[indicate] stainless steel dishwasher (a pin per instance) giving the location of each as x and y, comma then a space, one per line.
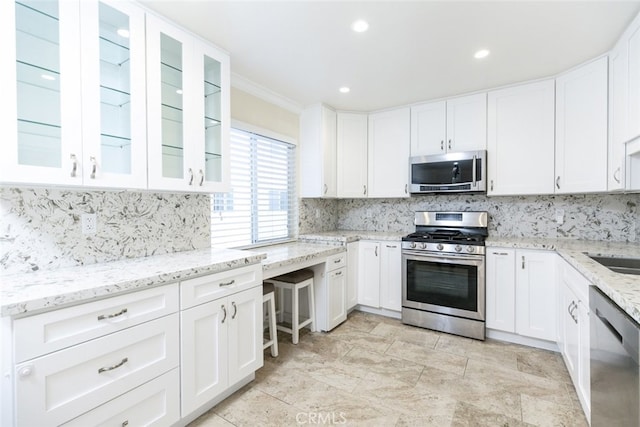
615, 390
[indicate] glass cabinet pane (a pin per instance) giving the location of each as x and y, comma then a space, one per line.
38, 83
171, 99
115, 90
212, 120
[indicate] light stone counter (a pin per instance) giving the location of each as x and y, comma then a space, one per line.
29, 292
623, 289
287, 257
348, 236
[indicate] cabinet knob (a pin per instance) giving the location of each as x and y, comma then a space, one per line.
25, 371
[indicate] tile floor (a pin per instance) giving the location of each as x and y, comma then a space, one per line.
375, 371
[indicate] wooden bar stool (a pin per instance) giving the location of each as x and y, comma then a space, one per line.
295, 281
269, 297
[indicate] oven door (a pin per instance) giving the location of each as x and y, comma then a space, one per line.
444, 283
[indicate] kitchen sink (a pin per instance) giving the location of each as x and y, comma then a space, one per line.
619, 265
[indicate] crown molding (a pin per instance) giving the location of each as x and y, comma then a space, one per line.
246, 85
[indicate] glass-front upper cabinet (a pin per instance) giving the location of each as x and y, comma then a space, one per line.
188, 111
41, 121
114, 104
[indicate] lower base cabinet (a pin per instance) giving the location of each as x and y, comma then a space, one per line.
380, 274
221, 344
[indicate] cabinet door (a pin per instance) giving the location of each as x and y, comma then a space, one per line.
389, 153
581, 129
42, 140
209, 126
571, 345
245, 334
520, 144
337, 297
631, 39
352, 274
536, 294
428, 129
318, 152
369, 273
618, 98
467, 123
352, 155
584, 357
501, 289
113, 94
203, 346
391, 276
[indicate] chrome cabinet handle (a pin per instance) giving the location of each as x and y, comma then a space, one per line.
224, 311
473, 171
190, 176
93, 167
201, 177
571, 309
116, 366
228, 283
442, 145
325, 189
406, 188
523, 262
558, 182
339, 273
616, 175
235, 310
449, 145
391, 246
500, 253
74, 165
111, 316
364, 193
376, 251
491, 185
337, 261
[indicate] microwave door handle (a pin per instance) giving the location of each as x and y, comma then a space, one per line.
473, 171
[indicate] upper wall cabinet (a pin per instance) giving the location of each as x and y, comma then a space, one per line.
581, 129
318, 152
618, 115
458, 124
42, 93
388, 153
188, 111
520, 139
631, 43
352, 155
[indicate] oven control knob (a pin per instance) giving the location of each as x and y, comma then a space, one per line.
440, 247
471, 249
423, 246
458, 248
413, 245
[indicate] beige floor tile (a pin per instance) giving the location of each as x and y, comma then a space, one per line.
428, 421
365, 361
472, 416
426, 357
210, 419
544, 413
489, 351
361, 321
543, 363
407, 333
253, 407
356, 337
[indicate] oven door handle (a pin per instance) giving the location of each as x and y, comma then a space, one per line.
452, 259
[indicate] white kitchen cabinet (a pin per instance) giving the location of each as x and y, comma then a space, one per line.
521, 292
221, 342
630, 41
380, 275
388, 153
351, 155
457, 124
60, 386
188, 110
521, 139
618, 115
331, 292
352, 274
574, 330
318, 173
581, 129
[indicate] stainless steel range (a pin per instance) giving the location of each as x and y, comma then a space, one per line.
443, 273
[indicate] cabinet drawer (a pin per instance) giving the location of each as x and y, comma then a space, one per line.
337, 261
156, 403
213, 286
60, 386
48, 332
578, 283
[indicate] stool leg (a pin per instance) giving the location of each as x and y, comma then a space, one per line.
281, 304
273, 334
312, 307
295, 319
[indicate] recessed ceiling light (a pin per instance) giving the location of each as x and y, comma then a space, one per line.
482, 53
360, 26
123, 32
344, 89
47, 77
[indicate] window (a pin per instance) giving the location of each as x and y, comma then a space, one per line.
261, 205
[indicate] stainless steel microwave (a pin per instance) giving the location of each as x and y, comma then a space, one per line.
449, 173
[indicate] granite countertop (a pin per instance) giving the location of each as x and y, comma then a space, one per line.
348, 236
295, 254
47, 289
623, 289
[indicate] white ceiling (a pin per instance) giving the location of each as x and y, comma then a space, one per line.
413, 51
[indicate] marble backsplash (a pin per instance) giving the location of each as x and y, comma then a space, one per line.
317, 215
602, 217
41, 228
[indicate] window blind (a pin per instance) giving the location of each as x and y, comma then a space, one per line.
261, 205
